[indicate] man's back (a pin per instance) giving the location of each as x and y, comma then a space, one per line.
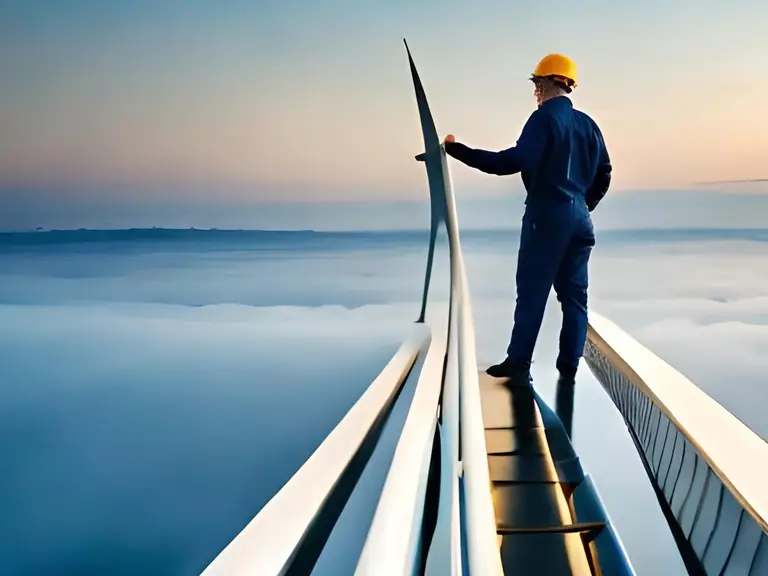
573, 155
560, 155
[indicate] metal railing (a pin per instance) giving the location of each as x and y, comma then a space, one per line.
288, 534
472, 523
396, 542
709, 470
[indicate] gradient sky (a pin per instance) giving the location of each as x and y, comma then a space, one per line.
299, 100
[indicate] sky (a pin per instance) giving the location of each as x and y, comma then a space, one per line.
212, 104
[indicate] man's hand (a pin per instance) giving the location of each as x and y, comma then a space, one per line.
450, 139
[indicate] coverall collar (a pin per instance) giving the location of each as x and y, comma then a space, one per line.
562, 98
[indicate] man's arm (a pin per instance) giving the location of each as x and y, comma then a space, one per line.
523, 156
602, 180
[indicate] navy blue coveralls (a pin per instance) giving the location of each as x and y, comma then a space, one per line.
566, 170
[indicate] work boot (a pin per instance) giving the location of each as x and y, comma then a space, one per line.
518, 372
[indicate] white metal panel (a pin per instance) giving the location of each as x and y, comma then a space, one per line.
267, 544
392, 544
735, 453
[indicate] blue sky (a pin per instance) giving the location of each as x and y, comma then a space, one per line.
248, 102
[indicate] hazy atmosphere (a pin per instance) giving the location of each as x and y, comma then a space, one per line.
204, 106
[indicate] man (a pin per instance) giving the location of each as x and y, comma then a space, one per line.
565, 168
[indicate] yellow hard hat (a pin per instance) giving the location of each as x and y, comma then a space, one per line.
559, 66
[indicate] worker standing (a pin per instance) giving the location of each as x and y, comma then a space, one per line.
566, 170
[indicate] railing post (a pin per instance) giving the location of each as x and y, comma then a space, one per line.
461, 394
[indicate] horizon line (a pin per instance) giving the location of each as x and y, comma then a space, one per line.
42, 230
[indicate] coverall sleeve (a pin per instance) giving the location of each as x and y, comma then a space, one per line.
602, 180
523, 156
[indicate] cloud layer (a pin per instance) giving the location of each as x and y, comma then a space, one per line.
155, 384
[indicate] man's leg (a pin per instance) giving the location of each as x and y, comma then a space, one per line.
538, 259
571, 284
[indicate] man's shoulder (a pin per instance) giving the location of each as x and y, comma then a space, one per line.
587, 120
543, 116
586, 117
538, 120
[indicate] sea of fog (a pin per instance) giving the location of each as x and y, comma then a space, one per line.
158, 387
